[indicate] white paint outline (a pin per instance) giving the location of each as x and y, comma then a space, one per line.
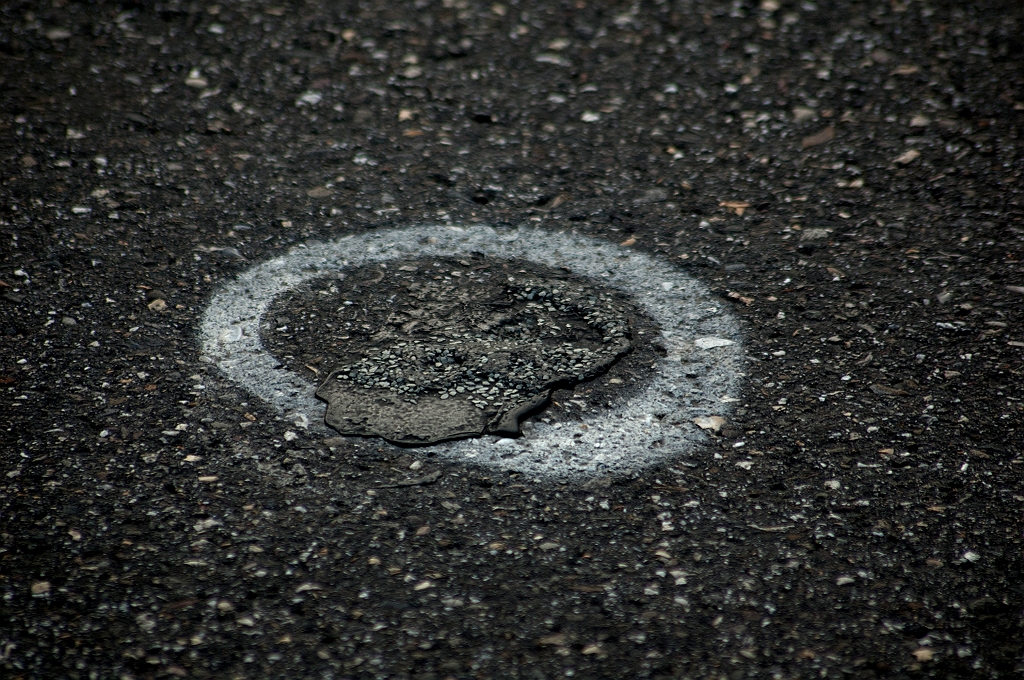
651, 425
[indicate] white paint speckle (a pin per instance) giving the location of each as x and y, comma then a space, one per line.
232, 334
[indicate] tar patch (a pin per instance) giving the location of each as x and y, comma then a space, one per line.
428, 350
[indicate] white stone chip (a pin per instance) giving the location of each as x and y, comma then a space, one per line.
711, 343
713, 423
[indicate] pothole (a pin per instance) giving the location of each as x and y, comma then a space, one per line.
420, 351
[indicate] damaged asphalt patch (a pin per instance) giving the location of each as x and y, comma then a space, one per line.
697, 367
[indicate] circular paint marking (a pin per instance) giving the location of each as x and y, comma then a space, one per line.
699, 375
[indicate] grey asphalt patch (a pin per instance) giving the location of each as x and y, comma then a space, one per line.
455, 350
698, 376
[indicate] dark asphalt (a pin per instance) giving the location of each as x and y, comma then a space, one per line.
846, 178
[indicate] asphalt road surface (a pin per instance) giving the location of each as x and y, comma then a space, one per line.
841, 179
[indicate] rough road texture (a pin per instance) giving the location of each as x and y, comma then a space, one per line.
158, 522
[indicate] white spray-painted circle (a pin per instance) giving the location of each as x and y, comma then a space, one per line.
699, 376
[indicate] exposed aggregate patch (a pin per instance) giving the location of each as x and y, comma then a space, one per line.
425, 351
